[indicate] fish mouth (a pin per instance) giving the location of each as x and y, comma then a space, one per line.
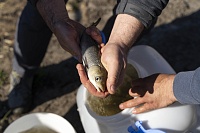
99, 89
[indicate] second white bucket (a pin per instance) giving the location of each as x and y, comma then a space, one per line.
176, 118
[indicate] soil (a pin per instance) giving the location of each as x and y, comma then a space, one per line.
175, 37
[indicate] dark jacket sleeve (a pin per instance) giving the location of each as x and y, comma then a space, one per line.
146, 11
33, 2
187, 87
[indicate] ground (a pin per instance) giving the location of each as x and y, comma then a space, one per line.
175, 37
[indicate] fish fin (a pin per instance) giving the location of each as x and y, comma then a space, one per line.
96, 22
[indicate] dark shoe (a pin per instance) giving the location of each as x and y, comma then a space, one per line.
20, 97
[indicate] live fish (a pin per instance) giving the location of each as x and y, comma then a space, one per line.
91, 58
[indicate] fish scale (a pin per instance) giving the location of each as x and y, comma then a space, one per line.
91, 57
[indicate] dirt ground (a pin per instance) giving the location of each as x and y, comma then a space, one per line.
175, 37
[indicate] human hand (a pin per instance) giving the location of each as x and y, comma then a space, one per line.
114, 59
68, 33
124, 34
153, 92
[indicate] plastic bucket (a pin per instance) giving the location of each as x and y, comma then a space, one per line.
48, 121
172, 119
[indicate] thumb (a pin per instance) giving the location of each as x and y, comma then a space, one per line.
95, 34
113, 78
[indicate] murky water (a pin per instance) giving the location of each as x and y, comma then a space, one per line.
39, 129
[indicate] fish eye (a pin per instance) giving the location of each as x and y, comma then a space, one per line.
98, 79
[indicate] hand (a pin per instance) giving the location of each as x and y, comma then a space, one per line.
153, 92
68, 33
124, 34
114, 59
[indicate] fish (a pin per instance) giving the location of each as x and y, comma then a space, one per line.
91, 58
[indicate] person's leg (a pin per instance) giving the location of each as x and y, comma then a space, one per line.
31, 42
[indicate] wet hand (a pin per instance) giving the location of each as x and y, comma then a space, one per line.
114, 59
153, 92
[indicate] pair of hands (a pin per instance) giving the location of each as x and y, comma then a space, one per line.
113, 56
68, 33
155, 91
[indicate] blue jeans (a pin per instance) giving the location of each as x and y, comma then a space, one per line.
31, 39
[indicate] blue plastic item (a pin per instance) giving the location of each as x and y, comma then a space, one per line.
103, 37
141, 129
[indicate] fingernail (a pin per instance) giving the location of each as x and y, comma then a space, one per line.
112, 88
94, 33
121, 106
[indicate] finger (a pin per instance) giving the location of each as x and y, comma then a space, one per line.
115, 75
87, 84
95, 34
141, 109
113, 78
102, 45
138, 91
82, 73
133, 94
131, 103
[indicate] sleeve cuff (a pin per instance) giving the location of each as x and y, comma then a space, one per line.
182, 87
143, 16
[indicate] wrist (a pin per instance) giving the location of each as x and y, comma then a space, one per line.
171, 80
168, 80
123, 47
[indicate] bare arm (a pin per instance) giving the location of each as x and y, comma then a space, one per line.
124, 33
126, 30
133, 16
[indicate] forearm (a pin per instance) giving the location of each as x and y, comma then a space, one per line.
146, 11
52, 11
125, 30
133, 17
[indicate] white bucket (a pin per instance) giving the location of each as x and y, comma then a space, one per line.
172, 119
48, 121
